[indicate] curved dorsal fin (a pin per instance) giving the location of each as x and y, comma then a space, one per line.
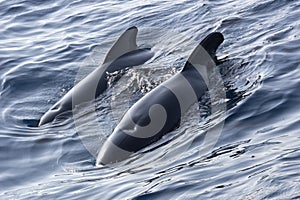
125, 44
206, 50
203, 58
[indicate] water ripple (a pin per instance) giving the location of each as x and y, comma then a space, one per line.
44, 46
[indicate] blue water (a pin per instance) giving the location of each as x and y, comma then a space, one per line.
46, 46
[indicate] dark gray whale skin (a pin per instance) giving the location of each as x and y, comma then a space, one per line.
123, 54
160, 111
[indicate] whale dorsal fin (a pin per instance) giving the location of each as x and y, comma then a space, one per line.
125, 44
206, 51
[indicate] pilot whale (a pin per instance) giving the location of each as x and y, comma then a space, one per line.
123, 54
160, 110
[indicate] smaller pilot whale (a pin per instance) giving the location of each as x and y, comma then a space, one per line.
160, 111
123, 54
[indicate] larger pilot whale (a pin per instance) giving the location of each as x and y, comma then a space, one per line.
123, 54
160, 110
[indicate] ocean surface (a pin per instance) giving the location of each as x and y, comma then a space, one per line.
48, 46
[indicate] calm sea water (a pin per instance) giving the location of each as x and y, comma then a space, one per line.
46, 46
